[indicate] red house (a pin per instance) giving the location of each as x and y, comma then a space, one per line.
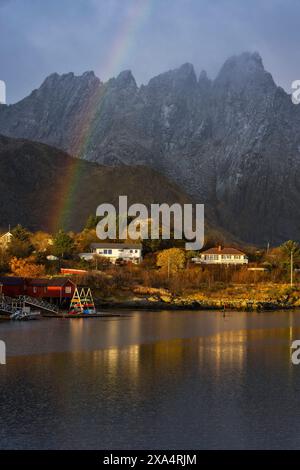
12, 286
36, 288
60, 288
57, 289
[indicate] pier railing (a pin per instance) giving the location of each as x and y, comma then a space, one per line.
11, 305
43, 304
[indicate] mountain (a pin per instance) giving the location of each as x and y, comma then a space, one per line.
42, 187
232, 143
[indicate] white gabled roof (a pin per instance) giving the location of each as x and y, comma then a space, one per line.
7, 234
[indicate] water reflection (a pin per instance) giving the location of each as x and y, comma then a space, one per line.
231, 386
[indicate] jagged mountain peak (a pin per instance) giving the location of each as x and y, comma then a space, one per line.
183, 76
125, 79
203, 76
252, 58
243, 71
204, 82
54, 79
186, 69
244, 64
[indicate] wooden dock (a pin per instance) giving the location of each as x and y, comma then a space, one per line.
82, 315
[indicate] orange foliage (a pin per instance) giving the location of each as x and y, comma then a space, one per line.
26, 267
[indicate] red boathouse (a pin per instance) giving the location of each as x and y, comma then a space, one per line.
57, 289
12, 286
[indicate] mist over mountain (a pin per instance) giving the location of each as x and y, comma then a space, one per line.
232, 143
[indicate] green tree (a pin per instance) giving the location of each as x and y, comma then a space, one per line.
63, 244
290, 247
291, 252
21, 233
20, 248
92, 222
4, 260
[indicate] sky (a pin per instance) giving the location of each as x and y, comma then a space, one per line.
39, 37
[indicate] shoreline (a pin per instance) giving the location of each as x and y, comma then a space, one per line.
252, 306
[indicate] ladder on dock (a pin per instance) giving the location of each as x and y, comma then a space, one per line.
43, 304
11, 305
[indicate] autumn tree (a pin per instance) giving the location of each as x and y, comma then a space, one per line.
26, 267
84, 239
41, 241
171, 260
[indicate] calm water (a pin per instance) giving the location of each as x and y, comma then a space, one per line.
151, 380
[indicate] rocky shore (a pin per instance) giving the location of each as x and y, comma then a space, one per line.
288, 299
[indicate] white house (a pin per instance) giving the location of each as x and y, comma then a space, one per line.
5, 240
115, 251
221, 255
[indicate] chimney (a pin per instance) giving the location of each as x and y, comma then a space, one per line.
219, 248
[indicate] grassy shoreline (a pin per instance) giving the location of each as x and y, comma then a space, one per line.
241, 298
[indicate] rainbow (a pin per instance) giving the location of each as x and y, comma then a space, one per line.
117, 57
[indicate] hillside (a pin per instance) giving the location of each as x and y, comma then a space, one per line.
42, 187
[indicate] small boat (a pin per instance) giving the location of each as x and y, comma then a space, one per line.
25, 315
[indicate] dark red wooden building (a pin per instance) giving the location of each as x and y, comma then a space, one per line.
57, 289
60, 288
36, 287
12, 286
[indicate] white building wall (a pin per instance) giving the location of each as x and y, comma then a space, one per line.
127, 254
223, 259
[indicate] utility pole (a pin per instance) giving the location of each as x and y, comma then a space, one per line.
292, 268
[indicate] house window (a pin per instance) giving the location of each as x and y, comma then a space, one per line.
68, 290
34, 290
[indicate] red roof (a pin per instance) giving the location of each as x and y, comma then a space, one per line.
37, 282
59, 281
11, 281
73, 271
222, 251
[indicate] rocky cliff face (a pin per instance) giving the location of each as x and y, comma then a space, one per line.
232, 143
